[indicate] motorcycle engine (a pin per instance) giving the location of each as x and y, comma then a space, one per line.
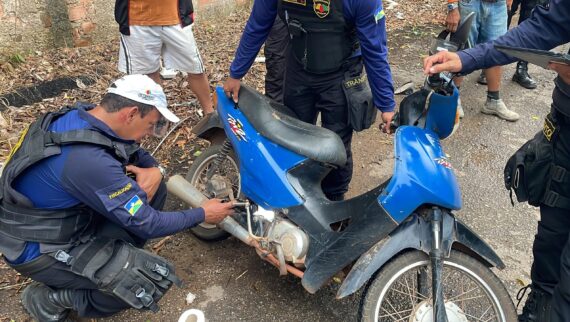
281, 232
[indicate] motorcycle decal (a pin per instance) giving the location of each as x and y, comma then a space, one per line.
443, 161
299, 2
237, 128
322, 8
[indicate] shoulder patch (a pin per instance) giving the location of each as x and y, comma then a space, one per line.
379, 14
133, 205
119, 192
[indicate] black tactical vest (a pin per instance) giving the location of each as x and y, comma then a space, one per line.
18, 218
321, 40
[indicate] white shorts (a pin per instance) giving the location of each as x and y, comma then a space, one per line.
140, 52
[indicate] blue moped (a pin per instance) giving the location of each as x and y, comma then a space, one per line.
400, 241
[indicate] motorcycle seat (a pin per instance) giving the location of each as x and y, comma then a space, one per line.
281, 127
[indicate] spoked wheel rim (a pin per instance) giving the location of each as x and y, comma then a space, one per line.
467, 296
228, 169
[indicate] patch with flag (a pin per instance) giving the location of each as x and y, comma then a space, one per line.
322, 7
379, 14
134, 205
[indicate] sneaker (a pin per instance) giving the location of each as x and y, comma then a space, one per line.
498, 107
482, 79
460, 109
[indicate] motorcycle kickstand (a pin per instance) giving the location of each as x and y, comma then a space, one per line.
436, 260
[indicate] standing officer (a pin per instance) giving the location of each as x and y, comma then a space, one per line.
330, 41
548, 170
70, 215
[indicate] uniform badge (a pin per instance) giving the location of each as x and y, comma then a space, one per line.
133, 205
548, 129
322, 7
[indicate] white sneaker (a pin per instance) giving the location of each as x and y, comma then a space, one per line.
168, 73
460, 109
498, 107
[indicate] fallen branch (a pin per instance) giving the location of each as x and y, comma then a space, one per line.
158, 246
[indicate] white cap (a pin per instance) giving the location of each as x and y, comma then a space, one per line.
142, 89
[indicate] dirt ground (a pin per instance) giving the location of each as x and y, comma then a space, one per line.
228, 279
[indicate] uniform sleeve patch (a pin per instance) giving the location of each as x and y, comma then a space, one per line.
379, 14
119, 192
133, 205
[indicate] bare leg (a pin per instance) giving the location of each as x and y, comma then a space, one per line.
155, 77
201, 88
493, 75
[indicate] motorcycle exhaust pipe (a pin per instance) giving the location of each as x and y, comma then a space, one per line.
186, 192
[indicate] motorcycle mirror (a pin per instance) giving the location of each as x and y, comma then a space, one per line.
461, 35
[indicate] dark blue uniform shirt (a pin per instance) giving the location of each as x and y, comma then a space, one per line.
90, 175
368, 18
545, 29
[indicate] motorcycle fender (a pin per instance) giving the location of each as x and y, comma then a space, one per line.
210, 128
415, 233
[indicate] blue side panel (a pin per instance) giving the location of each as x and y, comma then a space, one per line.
442, 113
422, 175
263, 164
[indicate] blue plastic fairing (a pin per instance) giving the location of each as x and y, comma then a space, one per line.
422, 175
442, 113
263, 164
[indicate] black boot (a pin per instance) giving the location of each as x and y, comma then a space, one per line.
522, 77
45, 304
536, 307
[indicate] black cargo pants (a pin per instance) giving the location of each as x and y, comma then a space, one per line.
526, 7
275, 51
309, 94
88, 301
551, 267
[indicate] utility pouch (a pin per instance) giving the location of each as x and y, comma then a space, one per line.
528, 172
361, 110
133, 275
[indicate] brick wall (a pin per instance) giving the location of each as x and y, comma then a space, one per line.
38, 24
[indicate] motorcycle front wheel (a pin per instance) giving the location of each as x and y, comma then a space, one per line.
197, 176
401, 291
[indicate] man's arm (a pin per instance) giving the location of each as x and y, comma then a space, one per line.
370, 23
96, 179
545, 29
256, 31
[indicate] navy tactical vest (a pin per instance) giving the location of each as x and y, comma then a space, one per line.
18, 217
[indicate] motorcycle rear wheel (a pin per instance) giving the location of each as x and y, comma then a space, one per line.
197, 177
472, 292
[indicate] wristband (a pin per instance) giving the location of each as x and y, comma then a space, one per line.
452, 6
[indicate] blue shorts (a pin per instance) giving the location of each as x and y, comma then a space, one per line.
490, 19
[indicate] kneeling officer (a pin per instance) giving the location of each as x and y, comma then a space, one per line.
72, 220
